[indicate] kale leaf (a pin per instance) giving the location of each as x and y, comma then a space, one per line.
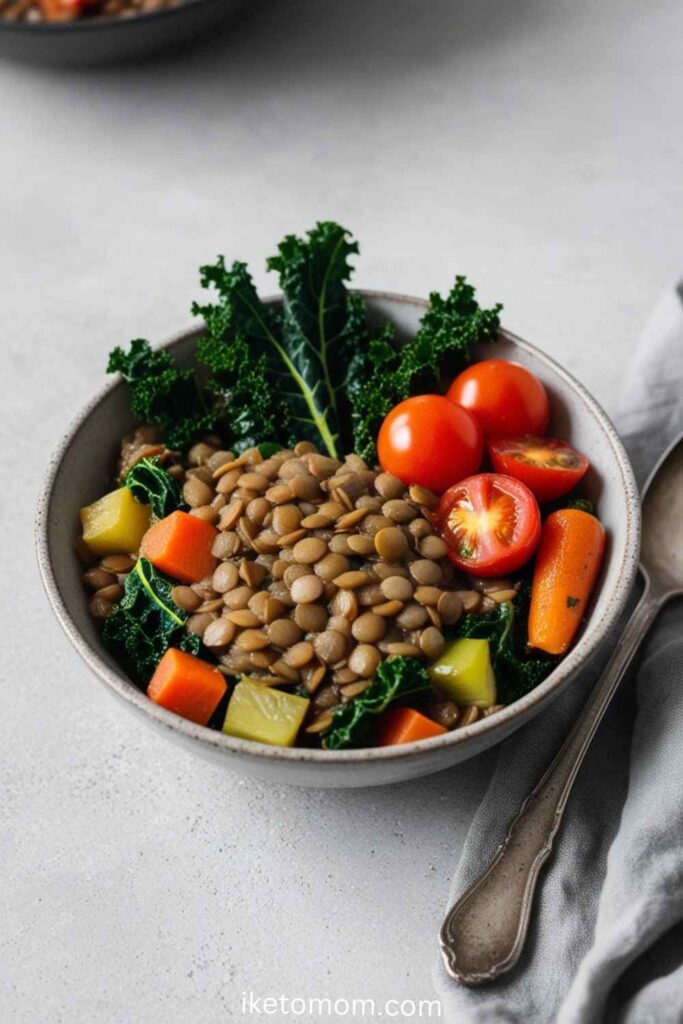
518, 669
146, 623
152, 485
322, 327
284, 376
395, 678
241, 328
443, 345
162, 393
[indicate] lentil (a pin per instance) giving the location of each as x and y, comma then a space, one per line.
368, 628
117, 564
390, 542
310, 550
307, 589
364, 660
284, 633
225, 577
97, 578
219, 633
330, 646
426, 572
299, 654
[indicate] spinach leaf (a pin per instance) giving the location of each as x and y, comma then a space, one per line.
162, 393
146, 623
396, 678
152, 485
518, 669
444, 343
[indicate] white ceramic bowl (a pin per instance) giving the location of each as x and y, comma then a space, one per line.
81, 471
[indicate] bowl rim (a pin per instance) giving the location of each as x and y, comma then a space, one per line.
127, 691
88, 25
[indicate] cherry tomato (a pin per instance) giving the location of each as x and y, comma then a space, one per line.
548, 467
430, 441
491, 524
505, 397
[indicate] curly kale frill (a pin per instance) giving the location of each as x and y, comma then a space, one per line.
443, 345
161, 393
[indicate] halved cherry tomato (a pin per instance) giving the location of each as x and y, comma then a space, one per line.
430, 441
505, 397
549, 468
491, 524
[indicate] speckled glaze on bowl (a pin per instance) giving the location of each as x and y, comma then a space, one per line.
81, 469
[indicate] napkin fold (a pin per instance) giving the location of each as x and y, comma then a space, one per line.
606, 938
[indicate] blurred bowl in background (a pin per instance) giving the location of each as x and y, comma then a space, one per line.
112, 40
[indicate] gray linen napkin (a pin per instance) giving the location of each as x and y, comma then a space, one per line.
606, 940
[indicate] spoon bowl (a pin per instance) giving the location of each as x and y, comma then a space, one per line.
661, 560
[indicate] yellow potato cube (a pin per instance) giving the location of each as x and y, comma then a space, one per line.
465, 674
115, 523
258, 712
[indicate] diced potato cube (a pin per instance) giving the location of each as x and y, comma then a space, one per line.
258, 712
465, 674
115, 523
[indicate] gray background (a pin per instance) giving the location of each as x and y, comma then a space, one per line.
535, 146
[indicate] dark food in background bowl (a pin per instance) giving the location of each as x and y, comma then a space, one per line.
69, 10
324, 589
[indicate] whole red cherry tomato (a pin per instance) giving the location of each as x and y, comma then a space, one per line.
430, 441
505, 397
491, 524
548, 467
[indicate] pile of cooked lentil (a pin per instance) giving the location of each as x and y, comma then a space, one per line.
70, 10
325, 568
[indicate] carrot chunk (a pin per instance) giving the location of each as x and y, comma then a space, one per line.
180, 545
63, 10
187, 685
404, 725
567, 564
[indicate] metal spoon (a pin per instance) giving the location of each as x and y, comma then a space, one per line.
484, 932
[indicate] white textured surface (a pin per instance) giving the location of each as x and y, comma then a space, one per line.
532, 145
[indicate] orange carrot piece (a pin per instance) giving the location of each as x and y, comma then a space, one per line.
567, 564
63, 10
403, 725
187, 685
180, 545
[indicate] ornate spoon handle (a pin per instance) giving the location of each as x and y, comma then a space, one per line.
484, 932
